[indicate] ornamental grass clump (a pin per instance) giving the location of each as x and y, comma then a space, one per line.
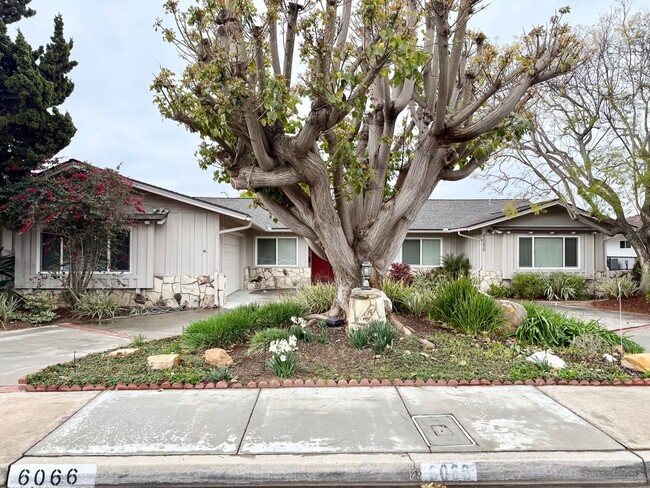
8, 309
221, 330
378, 334
461, 306
263, 338
283, 361
619, 287
277, 315
95, 306
548, 328
316, 298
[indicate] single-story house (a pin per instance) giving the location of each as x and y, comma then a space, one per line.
197, 250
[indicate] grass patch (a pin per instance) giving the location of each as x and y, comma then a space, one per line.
261, 340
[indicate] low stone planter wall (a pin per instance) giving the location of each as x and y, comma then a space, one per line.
186, 291
258, 278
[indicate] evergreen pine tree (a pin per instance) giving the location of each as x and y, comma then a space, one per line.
33, 83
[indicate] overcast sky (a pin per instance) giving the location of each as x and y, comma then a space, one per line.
119, 53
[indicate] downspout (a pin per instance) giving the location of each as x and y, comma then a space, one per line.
220, 233
480, 250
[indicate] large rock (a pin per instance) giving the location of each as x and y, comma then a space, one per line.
637, 362
515, 315
164, 361
547, 357
365, 306
123, 352
217, 357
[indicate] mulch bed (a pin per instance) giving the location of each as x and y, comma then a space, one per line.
635, 304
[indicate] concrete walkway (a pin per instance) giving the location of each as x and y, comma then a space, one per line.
403, 436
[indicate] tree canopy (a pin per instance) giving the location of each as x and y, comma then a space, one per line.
589, 143
33, 84
343, 115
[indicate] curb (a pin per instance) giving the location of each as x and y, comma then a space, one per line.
299, 383
478, 468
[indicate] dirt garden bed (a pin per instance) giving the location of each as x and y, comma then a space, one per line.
329, 355
635, 304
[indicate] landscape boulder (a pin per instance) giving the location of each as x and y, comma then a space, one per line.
547, 357
515, 315
637, 362
164, 361
217, 357
118, 353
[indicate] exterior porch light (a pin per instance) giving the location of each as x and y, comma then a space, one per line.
366, 271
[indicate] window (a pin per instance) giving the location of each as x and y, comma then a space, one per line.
421, 252
277, 251
548, 252
115, 255
625, 244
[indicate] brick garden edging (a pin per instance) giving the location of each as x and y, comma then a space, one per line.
23, 386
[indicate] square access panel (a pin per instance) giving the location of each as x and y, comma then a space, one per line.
442, 431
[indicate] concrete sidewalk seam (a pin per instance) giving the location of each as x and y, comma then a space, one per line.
583, 419
248, 422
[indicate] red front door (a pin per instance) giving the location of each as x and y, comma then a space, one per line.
321, 270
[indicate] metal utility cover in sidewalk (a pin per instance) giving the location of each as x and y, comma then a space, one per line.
442, 430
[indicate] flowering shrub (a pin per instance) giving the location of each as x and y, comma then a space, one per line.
283, 362
84, 207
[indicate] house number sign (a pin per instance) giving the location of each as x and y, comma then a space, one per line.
448, 472
52, 475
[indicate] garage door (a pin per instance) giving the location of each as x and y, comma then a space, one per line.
230, 262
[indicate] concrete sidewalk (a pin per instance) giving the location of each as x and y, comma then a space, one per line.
402, 436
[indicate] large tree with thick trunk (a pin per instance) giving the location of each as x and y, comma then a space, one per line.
589, 143
343, 115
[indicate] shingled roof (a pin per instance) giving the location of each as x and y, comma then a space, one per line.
435, 215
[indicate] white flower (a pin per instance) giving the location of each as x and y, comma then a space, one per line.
292, 341
283, 357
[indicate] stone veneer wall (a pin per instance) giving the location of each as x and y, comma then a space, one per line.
187, 290
269, 278
487, 277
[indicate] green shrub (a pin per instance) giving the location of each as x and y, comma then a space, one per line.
8, 309
461, 306
565, 286
429, 279
262, 338
379, 334
455, 265
95, 306
610, 287
397, 292
277, 314
37, 309
418, 302
528, 285
222, 329
549, 328
359, 337
316, 298
636, 272
499, 291
220, 374
233, 326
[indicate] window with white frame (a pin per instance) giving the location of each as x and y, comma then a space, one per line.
548, 252
114, 257
625, 244
422, 252
277, 251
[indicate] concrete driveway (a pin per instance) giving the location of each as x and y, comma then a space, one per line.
25, 351
636, 326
